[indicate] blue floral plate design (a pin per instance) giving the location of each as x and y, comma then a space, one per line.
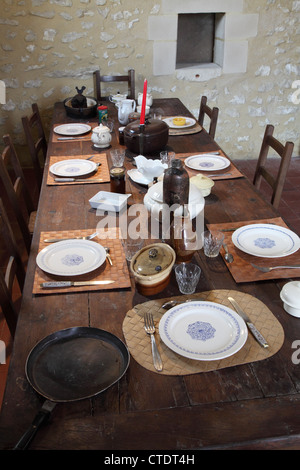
207, 162
266, 240
71, 257
204, 331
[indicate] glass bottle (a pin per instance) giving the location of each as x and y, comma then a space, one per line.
183, 239
176, 184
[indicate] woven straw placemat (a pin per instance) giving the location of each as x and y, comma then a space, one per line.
118, 272
174, 364
100, 176
241, 268
75, 138
186, 130
228, 173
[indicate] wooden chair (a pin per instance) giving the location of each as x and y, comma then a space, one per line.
129, 78
276, 182
36, 140
212, 113
18, 194
13, 272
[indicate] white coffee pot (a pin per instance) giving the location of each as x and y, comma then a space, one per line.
149, 99
125, 107
101, 136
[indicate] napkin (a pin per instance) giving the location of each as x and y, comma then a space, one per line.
149, 168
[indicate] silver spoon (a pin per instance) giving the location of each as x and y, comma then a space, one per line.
172, 303
228, 256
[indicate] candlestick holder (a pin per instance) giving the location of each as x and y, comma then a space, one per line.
141, 139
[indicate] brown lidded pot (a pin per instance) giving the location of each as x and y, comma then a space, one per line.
153, 138
152, 267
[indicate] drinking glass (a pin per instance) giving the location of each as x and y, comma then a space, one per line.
132, 246
117, 157
212, 242
166, 157
187, 277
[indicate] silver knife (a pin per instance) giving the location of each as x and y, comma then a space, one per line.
74, 284
55, 240
70, 180
257, 335
69, 138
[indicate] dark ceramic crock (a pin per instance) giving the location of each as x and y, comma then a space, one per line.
152, 138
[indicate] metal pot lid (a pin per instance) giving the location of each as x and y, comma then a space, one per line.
153, 259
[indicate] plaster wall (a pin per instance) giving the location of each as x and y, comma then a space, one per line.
50, 46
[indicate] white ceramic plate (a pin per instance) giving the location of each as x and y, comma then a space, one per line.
205, 331
72, 129
207, 162
266, 240
137, 177
189, 122
73, 167
71, 257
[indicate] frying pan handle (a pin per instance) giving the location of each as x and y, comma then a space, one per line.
41, 418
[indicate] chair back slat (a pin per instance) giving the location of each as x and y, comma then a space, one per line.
14, 270
36, 141
212, 114
129, 78
275, 181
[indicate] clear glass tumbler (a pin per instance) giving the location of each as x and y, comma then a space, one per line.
187, 277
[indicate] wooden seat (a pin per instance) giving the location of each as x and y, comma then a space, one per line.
36, 140
16, 189
12, 271
212, 114
129, 78
275, 181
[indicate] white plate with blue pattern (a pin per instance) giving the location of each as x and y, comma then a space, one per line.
73, 167
71, 257
204, 331
207, 162
266, 240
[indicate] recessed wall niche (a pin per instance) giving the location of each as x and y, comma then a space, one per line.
195, 39
232, 29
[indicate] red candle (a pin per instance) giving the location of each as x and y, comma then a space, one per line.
143, 110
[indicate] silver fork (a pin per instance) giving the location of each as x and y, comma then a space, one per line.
150, 330
267, 269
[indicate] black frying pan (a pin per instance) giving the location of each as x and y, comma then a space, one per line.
71, 365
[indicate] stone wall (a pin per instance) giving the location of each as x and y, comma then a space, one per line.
50, 46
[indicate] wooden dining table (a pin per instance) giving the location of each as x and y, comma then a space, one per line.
249, 400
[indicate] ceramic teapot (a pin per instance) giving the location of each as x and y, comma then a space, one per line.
101, 136
149, 99
125, 107
118, 98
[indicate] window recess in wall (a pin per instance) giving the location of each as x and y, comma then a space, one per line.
196, 35
195, 39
